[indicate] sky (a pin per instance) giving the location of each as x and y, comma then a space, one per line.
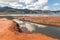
32, 4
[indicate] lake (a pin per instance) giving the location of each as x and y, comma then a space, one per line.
29, 14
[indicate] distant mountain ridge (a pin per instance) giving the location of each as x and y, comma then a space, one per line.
9, 9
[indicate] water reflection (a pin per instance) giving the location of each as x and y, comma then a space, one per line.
33, 27
54, 14
30, 14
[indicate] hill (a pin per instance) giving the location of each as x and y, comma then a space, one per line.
9, 10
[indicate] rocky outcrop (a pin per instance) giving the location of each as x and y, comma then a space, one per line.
9, 30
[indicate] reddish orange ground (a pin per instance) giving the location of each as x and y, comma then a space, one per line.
7, 32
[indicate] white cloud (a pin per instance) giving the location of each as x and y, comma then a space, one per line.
46, 8
34, 5
56, 4
9, 0
30, 4
27, 1
14, 4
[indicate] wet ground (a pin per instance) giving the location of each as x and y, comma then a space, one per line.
44, 29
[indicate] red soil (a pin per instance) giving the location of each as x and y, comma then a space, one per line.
9, 31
